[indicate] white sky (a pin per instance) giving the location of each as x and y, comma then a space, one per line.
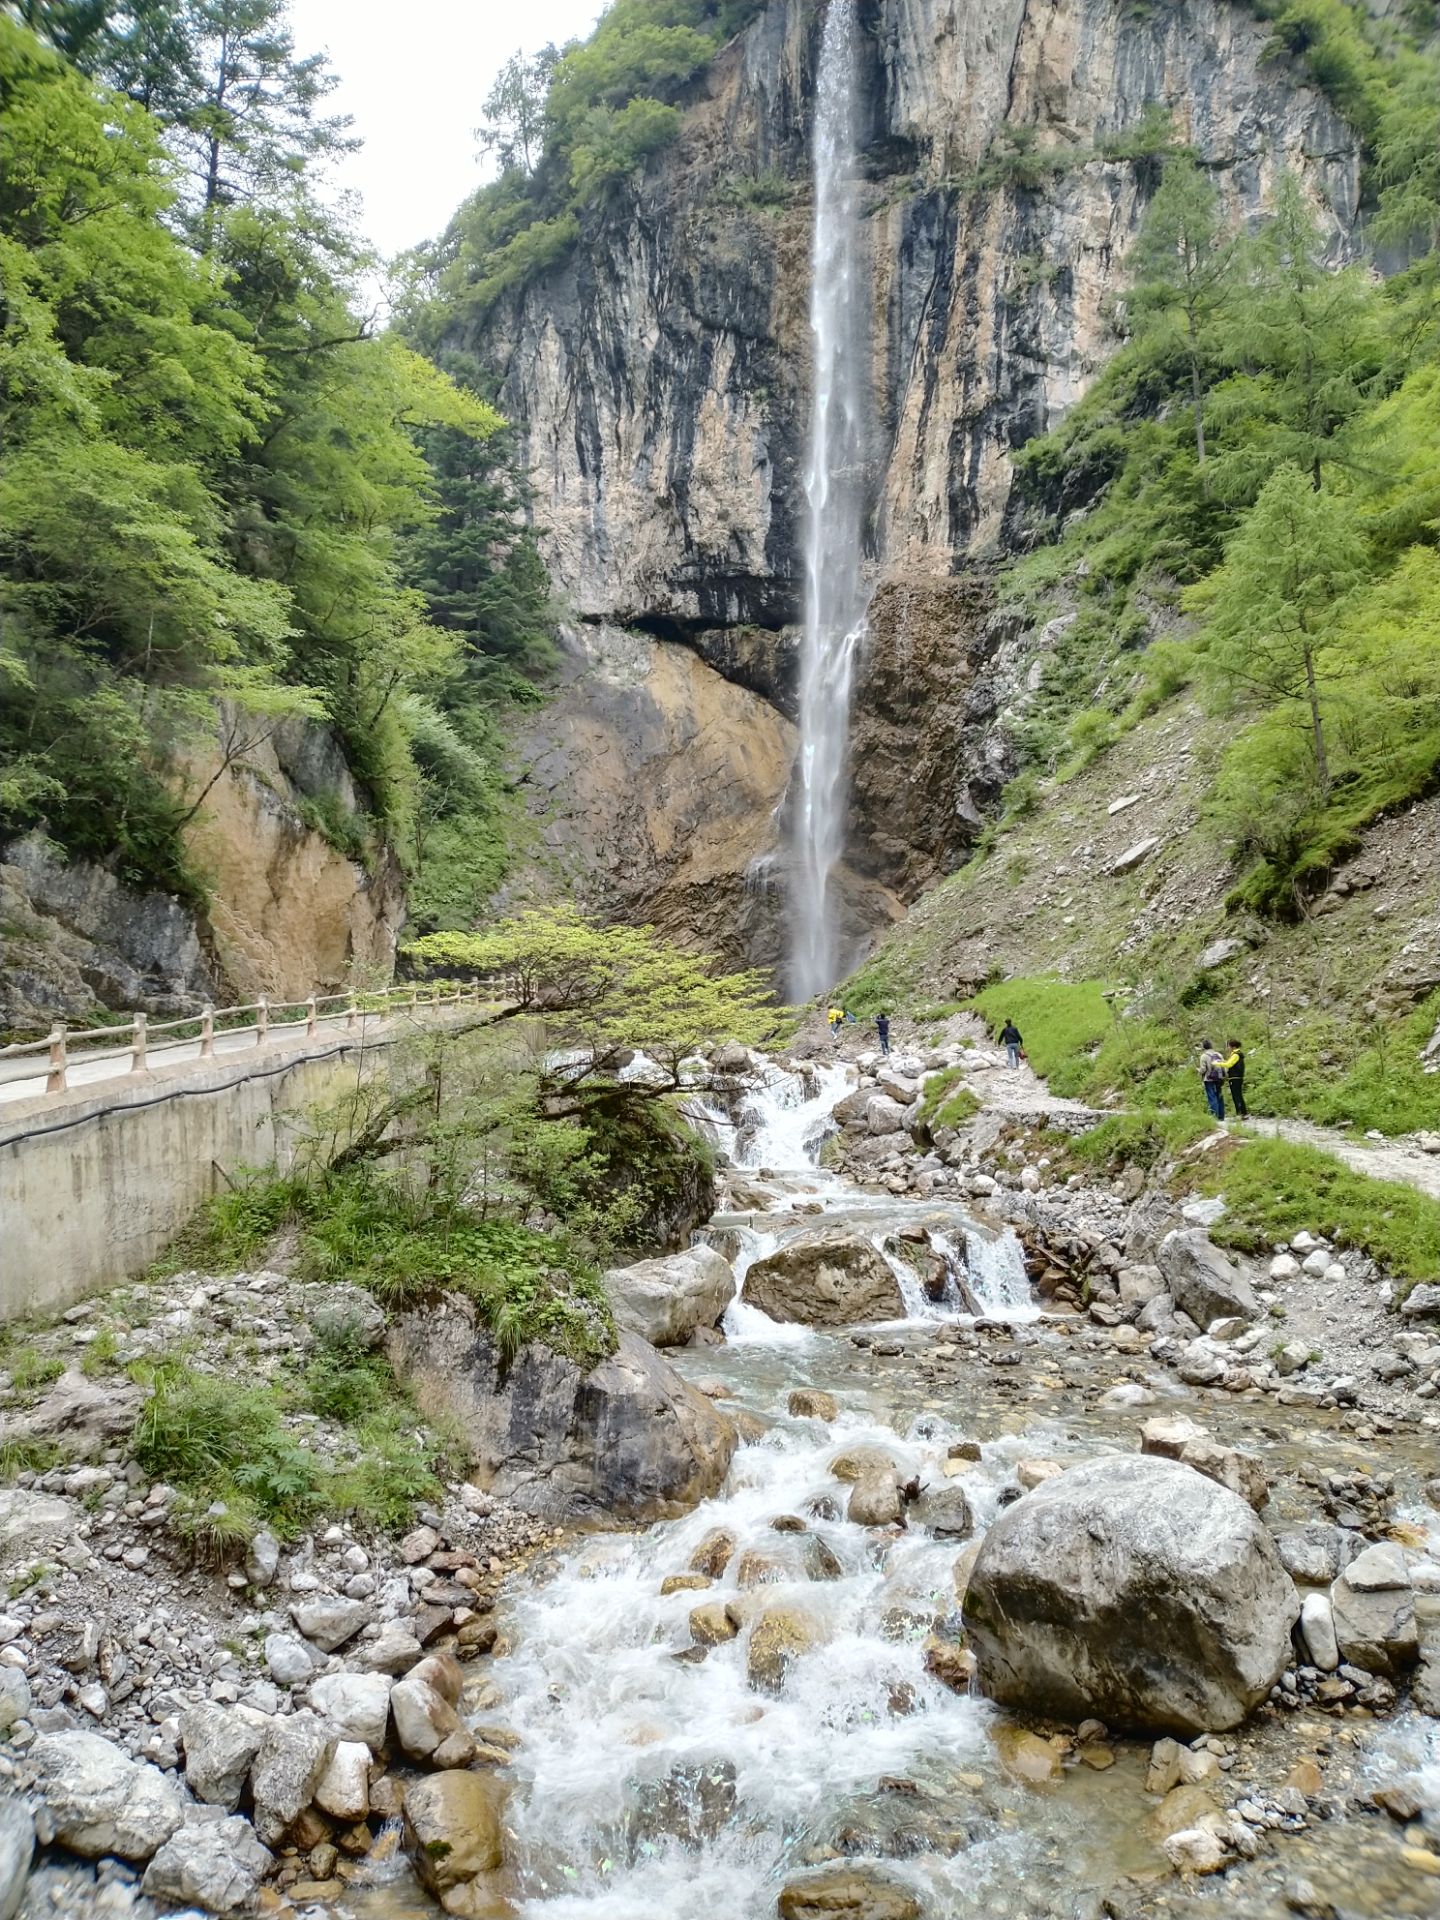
413, 78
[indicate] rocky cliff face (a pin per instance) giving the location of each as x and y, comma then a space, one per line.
660, 376
288, 911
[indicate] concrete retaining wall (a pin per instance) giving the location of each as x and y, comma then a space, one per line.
92, 1189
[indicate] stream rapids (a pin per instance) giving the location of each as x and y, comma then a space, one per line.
650, 1786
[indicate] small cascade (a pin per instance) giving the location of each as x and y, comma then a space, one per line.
786, 1121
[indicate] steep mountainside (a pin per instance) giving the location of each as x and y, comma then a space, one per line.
658, 376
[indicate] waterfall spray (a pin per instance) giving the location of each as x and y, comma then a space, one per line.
835, 592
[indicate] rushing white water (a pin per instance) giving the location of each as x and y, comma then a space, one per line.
835, 589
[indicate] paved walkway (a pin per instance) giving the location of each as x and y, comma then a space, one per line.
20, 1081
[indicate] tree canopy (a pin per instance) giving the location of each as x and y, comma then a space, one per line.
221, 481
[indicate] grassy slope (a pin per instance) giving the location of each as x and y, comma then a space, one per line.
1326, 1008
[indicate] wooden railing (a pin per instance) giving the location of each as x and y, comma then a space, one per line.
64, 1047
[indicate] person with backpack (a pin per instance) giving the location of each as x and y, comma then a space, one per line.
1212, 1078
1011, 1041
882, 1029
1234, 1065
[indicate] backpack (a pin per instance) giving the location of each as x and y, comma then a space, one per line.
1213, 1070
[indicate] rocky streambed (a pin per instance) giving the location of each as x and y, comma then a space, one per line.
1210, 1605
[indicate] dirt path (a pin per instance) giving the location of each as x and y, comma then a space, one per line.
1380, 1159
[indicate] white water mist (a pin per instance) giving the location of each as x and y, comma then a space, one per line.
835, 591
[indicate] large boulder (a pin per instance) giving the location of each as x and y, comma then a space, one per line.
1135, 1590
215, 1865
828, 1278
1372, 1606
627, 1440
665, 1301
99, 1800
453, 1825
1202, 1281
220, 1747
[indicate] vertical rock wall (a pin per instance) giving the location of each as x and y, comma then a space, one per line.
660, 376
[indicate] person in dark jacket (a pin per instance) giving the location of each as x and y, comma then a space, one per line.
882, 1028
1011, 1041
1234, 1064
1212, 1078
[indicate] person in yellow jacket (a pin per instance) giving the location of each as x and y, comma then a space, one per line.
836, 1017
1234, 1065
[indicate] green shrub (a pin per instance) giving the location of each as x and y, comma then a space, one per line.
30, 1369
1138, 1139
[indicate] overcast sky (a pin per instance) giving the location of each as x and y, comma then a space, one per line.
413, 77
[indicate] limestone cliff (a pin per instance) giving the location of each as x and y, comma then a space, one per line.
288, 911
659, 376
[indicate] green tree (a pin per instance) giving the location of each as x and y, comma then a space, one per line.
514, 125
603, 994
1310, 349
1276, 604
1183, 274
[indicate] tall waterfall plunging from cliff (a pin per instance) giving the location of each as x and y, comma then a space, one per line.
835, 590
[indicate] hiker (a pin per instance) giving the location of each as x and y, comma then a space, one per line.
1010, 1037
1234, 1065
882, 1028
1212, 1078
836, 1017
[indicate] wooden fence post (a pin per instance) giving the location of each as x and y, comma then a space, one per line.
55, 1078
207, 1033
137, 1051
262, 1021
309, 1016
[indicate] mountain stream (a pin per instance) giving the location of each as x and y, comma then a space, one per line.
654, 1785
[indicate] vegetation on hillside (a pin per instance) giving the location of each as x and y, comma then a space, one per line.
568, 128
511, 1157
1260, 458
222, 481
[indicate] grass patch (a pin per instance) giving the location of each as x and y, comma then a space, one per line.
369, 1227
1137, 1139
19, 1456
880, 986
99, 1356
1063, 1022
948, 1100
1273, 1188
30, 1369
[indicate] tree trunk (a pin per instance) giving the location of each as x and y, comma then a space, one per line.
1322, 763
1197, 392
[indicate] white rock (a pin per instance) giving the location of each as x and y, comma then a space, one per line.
1284, 1267
220, 1747
1315, 1263
329, 1623
1317, 1629
262, 1562
101, 1801
1203, 1213
344, 1787
1303, 1241
291, 1763
1194, 1850
215, 1865
357, 1705
1335, 1273
14, 1697
1030, 1179
289, 1660
17, 1848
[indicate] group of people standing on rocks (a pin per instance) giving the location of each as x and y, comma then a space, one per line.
1221, 1069
837, 1019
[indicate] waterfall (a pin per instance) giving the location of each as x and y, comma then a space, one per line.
835, 591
